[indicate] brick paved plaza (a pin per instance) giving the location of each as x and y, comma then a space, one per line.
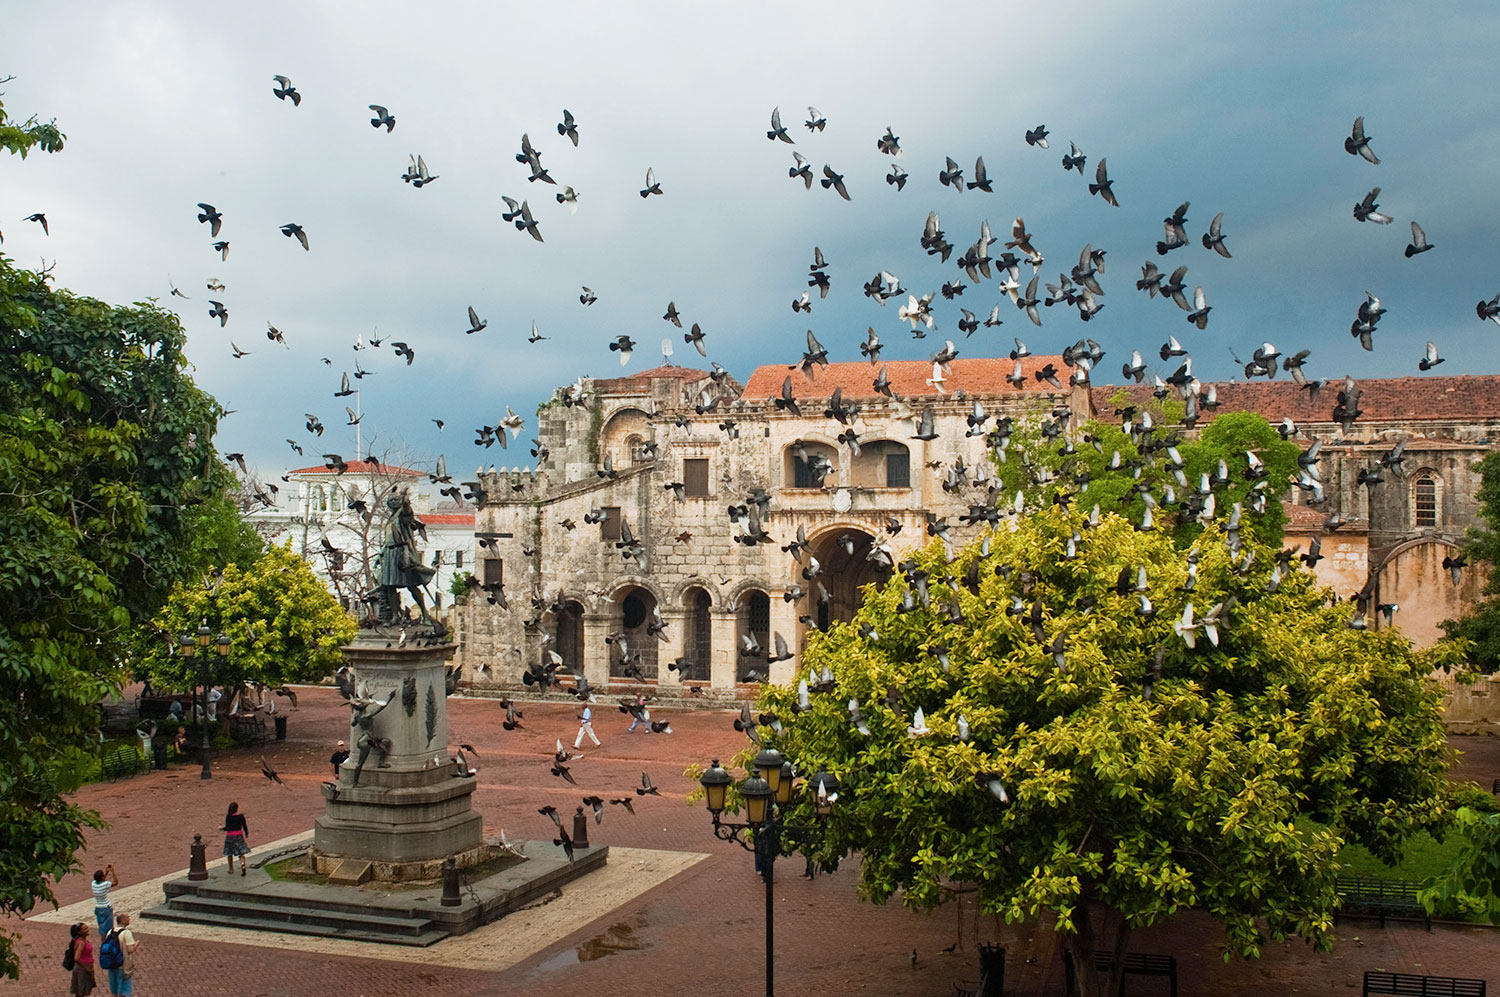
700, 930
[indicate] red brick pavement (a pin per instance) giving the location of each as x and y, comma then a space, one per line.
701, 932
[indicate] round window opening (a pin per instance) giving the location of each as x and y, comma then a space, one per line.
633, 611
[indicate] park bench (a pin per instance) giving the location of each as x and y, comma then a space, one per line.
120, 760
1373, 895
1412, 985
991, 974
250, 729
1136, 964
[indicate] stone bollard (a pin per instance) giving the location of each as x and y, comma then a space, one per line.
580, 829
197, 859
450, 883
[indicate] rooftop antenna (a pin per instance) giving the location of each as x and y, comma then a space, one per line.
666, 352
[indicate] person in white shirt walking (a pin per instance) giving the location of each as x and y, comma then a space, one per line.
586, 725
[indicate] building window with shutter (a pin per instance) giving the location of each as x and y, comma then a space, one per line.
458, 559
610, 528
695, 477
1425, 504
494, 571
898, 469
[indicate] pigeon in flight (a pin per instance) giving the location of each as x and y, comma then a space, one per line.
802, 169
834, 180
1037, 136
889, 143
981, 179
1419, 243
652, 187
1489, 310
285, 90
1074, 159
1214, 237
1365, 210
219, 312
1103, 185
815, 121
588, 297
293, 230
1358, 143
383, 118
896, 178
223, 248
568, 127
475, 322
211, 215
778, 131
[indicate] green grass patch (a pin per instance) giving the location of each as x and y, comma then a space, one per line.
295, 869
1425, 857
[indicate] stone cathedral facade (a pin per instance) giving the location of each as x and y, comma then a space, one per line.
540, 534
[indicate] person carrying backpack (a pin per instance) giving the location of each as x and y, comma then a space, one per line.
116, 955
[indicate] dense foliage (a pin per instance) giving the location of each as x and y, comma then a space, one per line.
1481, 627
104, 440
282, 622
1147, 763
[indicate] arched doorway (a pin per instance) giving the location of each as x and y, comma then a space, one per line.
1413, 577
569, 636
753, 619
632, 615
844, 566
697, 644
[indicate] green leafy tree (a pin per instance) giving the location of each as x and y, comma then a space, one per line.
104, 441
1481, 627
283, 624
21, 139
1106, 771
1108, 468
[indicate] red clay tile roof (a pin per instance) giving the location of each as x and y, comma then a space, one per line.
360, 467
1382, 399
1300, 518
640, 381
447, 518
984, 376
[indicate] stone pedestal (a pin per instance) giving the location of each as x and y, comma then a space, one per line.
408, 814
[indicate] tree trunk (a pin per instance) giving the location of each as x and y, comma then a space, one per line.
1101, 928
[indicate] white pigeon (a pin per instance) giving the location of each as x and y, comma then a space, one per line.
918, 726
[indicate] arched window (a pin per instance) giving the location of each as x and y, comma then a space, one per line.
697, 650
636, 447
754, 621
798, 461
1425, 502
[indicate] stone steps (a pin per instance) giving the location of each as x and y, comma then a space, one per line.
296, 918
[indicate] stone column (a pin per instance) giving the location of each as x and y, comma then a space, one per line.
675, 647
725, 641
784, 622
409, 810
596, 627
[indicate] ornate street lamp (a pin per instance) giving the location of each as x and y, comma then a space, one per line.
767, 794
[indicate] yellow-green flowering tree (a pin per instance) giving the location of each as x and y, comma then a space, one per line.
1110, 761
282, 622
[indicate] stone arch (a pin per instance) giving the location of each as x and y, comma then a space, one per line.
617, 429
744, 585
631, 615
1411, 575
789, 465
842, 573
679, 592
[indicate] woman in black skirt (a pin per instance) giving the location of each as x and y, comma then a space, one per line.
236, 831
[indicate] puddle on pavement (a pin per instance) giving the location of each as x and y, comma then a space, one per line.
618, 937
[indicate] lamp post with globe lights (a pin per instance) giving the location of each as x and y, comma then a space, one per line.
767, 794
192, 646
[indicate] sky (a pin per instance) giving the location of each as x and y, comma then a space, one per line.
1234, 108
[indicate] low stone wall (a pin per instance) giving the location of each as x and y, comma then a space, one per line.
1471, 707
